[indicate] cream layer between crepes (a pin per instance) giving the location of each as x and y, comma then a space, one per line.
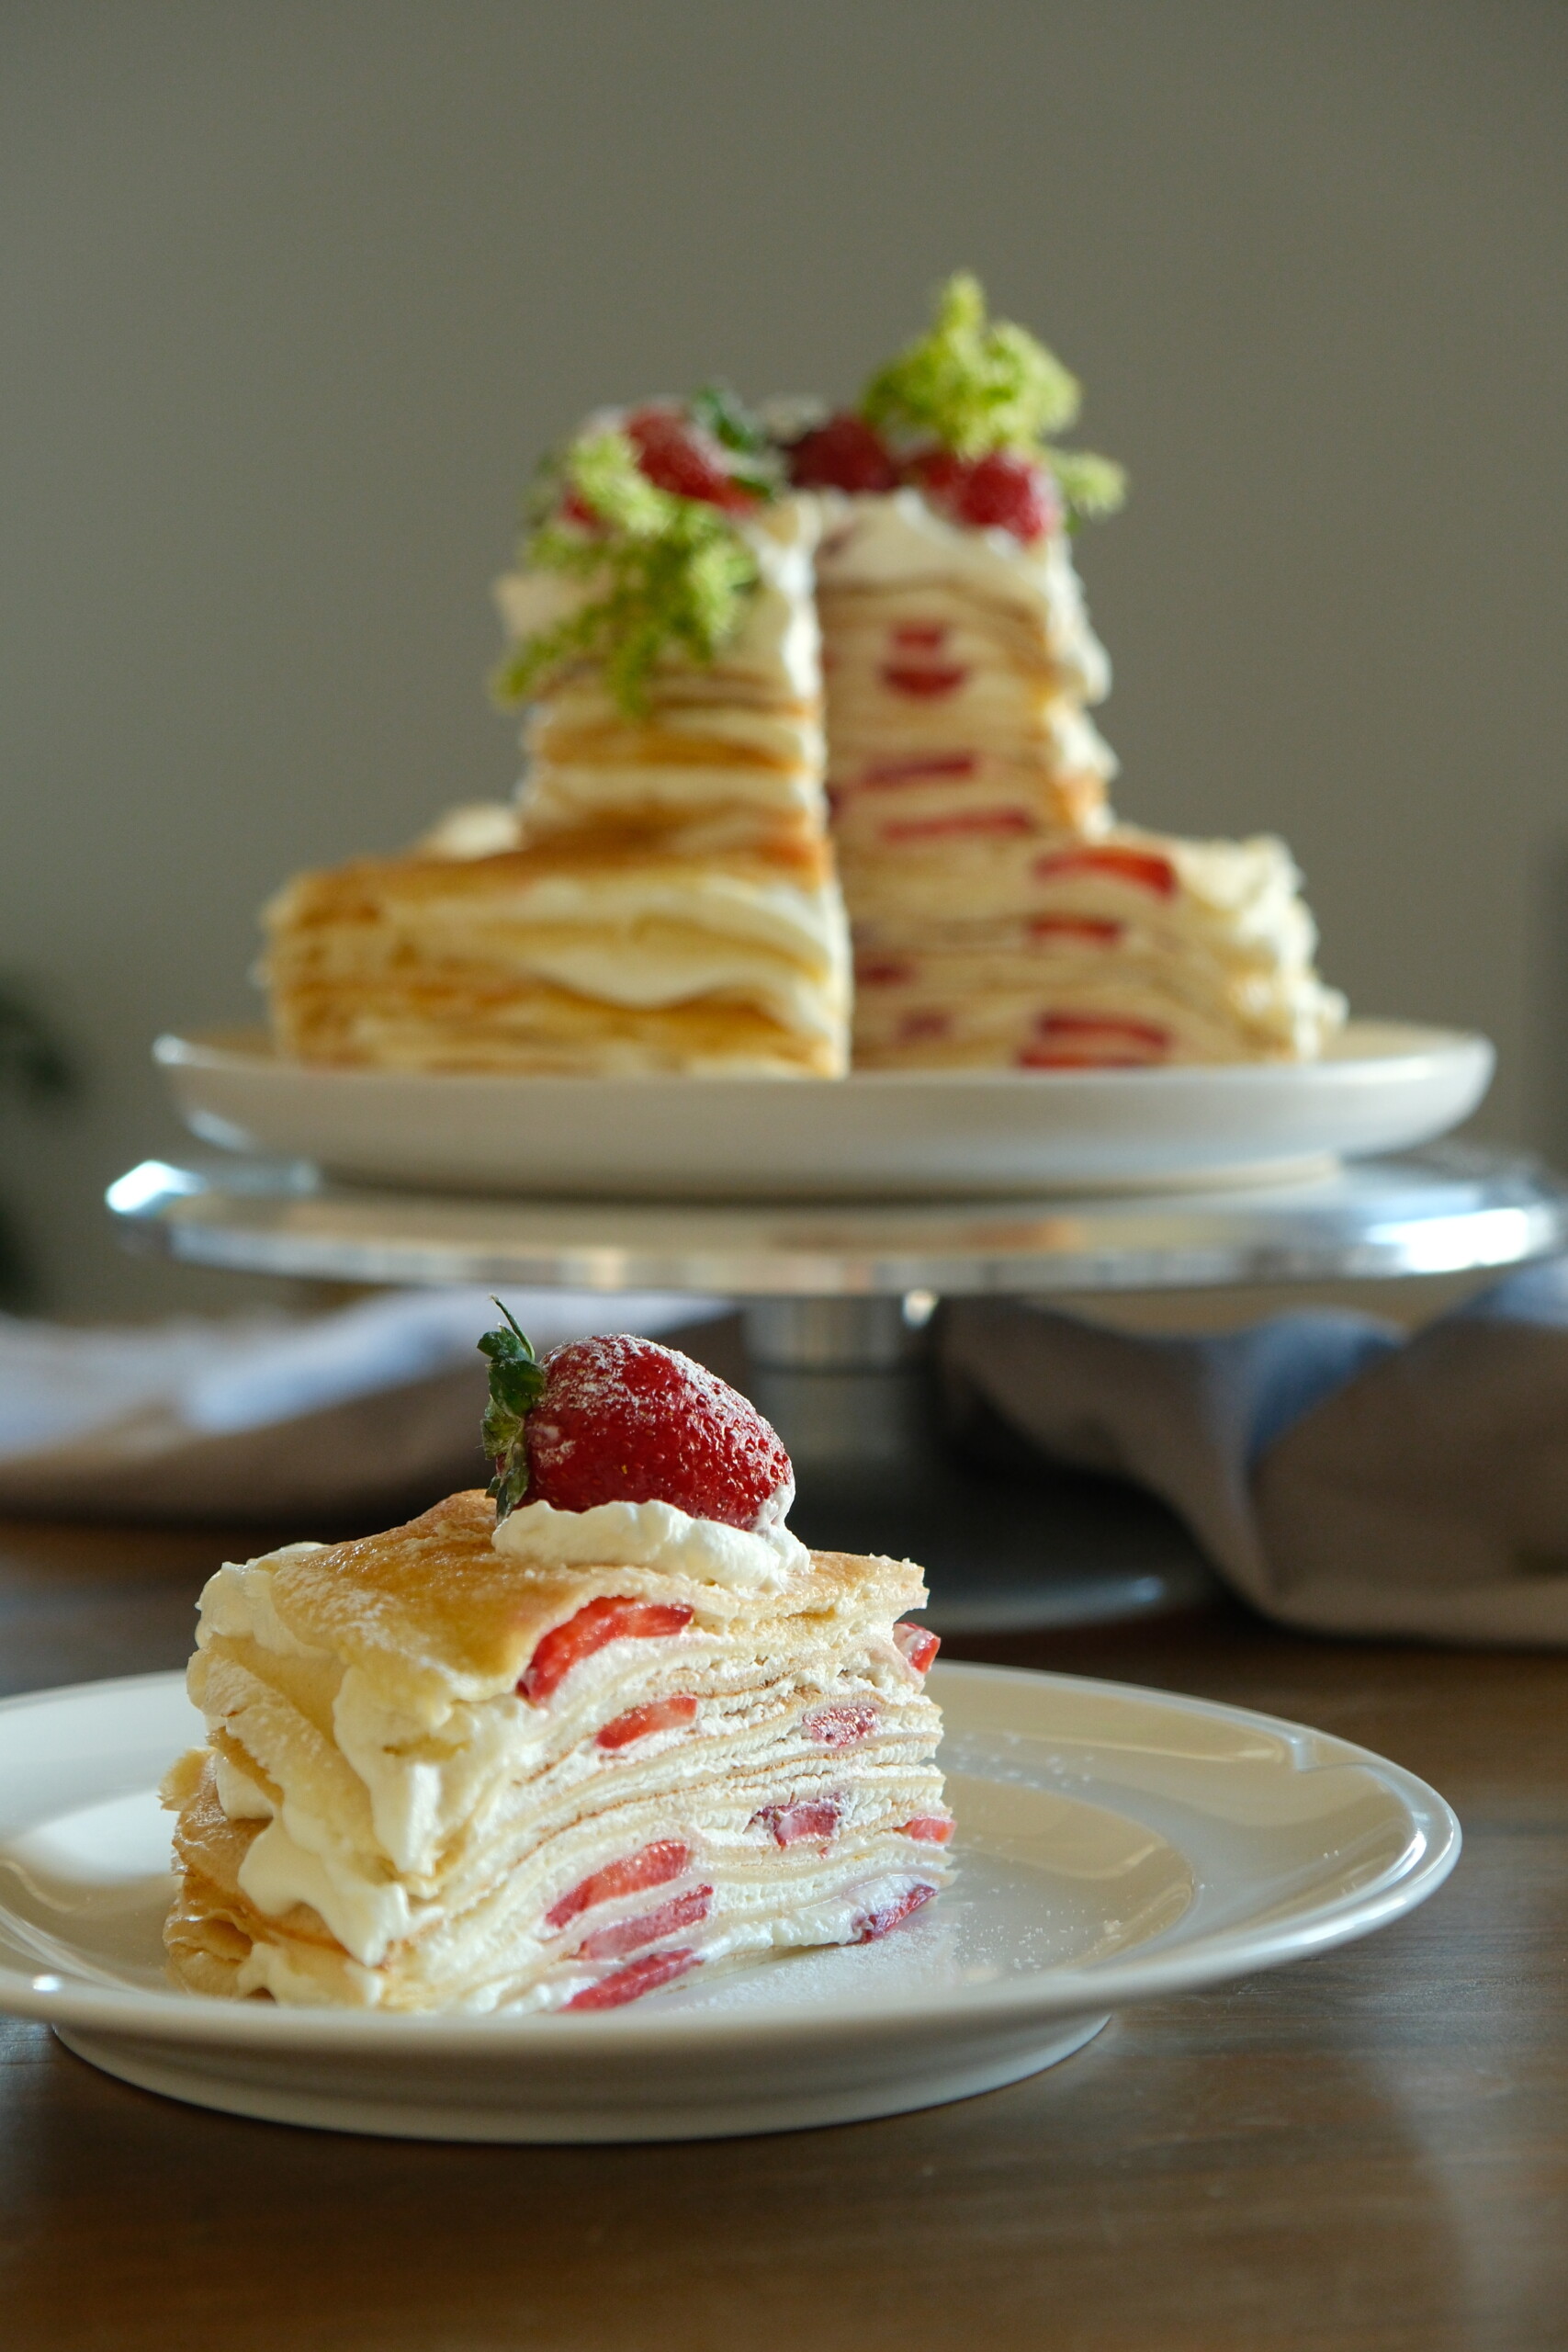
408, 1801
610, 952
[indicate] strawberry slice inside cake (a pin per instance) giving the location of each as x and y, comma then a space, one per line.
558, 1745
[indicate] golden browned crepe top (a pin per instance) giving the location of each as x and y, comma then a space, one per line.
431, 1613
789, 853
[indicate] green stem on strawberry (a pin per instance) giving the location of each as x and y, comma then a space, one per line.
516, 1385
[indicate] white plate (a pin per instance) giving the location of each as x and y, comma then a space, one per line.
1114, 1845
1385, 1087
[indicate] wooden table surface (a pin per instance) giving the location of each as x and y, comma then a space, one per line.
1366, 2150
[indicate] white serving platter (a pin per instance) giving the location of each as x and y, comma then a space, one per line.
1385, 1087
1114, 1846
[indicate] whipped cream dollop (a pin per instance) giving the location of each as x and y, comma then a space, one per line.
656, 1535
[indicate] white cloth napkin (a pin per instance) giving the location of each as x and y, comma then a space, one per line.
1342, 1476
267, 1416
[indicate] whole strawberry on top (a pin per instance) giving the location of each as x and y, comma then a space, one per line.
624, 1420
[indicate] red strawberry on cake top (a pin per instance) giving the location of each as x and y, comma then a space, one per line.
844, 453
621, 1419
676, 455
999, 491
624, 1419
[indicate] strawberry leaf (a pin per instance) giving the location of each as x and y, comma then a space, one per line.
721, 411
516, 1385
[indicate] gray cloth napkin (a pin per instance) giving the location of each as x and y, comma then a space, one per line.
1343, 1476
317, 1419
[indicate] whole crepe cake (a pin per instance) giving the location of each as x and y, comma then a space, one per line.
558, 1745
756, 654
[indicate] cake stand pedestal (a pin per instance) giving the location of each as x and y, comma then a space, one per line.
834, 1304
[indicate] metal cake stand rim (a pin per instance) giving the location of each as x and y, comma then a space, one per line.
1452, 1208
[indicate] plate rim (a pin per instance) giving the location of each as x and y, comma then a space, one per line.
201, 1049
1428, 1858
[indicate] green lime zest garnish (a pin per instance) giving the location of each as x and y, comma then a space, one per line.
973, 384
674, 575
516, 1385
1090, 486
976, 385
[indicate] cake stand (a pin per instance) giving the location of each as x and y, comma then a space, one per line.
835, 1301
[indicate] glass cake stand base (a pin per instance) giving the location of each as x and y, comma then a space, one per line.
834, 1299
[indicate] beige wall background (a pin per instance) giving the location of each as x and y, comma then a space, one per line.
295, 293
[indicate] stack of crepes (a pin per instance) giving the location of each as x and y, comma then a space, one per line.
1121, 950
664, 898
1000, 916
554, 1763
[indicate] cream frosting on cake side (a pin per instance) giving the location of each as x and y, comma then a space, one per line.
960, 663
897, 544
